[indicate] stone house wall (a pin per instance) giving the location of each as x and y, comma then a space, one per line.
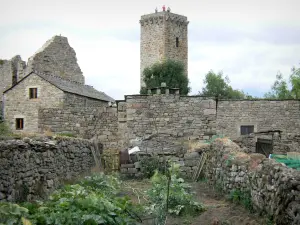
263, 114
73, 100
273, 188
99, 123
32, 168
18, 104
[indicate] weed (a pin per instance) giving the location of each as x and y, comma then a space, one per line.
66, 135
242, 197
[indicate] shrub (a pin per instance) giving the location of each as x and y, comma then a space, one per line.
149, 165
4, 129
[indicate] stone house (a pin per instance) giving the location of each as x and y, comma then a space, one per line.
39, 90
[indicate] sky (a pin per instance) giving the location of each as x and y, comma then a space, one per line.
250, 41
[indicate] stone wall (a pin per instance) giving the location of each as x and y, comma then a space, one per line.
263, 114
19, 105
273, 188
99, 123
187, 163
31, 168
58, 58
73, 100
167, 122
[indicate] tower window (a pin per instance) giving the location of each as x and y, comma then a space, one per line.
177, 42
32, 93
19, 123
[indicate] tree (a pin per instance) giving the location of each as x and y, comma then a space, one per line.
279, 89
170, 72
218, 85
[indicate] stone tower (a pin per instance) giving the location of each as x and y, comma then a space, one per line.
164, 35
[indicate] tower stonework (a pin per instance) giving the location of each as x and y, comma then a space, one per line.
164, 35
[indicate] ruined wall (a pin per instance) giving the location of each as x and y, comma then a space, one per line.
58, 58
273, 188
99, 123
167, 122
73, 100
32, 168
19, 105
263, 114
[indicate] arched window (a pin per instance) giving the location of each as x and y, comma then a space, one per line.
177, 42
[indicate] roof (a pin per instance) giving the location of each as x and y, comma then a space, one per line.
71, 87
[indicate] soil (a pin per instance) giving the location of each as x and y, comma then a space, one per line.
219, 210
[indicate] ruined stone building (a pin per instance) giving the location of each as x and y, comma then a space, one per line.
51, 78
164, 35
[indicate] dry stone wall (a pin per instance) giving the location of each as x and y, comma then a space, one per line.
187, 163
99, 123
167, 122
31, 168
274, 188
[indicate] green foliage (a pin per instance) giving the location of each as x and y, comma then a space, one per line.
12, 213
1, 61
217, 85
285, 89
4, 129
94, 200
180, 199
238, 196
279, 89
149, 165
169, 71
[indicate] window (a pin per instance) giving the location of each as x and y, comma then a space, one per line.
177, 42
247, 129
19, 123
32, 93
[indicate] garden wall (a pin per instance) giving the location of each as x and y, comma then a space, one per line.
166, 122
274, 188
31, 168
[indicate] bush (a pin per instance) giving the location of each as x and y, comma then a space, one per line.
4, 129
149, 165
242, 197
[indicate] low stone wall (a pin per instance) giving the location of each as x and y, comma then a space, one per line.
274, 188
188, 163
31, 168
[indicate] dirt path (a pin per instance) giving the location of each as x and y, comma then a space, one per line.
219, 211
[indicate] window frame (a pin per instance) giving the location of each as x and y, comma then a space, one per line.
247, 129
34, 94
19, 121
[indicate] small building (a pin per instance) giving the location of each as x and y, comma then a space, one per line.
37, 90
